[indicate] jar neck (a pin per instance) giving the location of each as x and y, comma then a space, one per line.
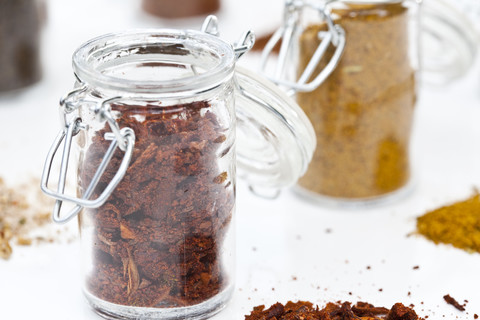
155, 62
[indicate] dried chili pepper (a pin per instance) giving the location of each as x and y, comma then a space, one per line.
450, 300
332, 311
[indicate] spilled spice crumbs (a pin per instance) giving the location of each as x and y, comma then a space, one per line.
457, 224
24, 214
332, 311
450, 300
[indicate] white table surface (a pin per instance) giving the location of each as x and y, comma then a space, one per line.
284, 252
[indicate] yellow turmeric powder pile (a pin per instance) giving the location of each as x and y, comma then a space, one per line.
457, 224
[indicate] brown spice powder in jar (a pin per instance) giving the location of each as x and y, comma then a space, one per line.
158, 240
362, 114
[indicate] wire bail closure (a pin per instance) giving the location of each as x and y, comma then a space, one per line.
335, 35
122, 138
246, 42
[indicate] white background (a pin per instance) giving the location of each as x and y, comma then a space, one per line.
278, 241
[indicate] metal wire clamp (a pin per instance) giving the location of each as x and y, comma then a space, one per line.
246, 42
335, 35
122, 138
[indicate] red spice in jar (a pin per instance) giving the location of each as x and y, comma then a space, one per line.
158, 239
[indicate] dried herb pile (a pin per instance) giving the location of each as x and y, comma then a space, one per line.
158, 241
19, 43
362, 114
24, 211
333, 311
457, 224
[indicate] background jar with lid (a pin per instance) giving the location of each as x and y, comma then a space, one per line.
360, 93
353, 66
363, 112
160, 120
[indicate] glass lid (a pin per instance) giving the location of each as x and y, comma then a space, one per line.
449, 42
275, 139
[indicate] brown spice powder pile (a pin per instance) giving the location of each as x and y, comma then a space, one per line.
21, 217
457, 224
362, 114
333, 311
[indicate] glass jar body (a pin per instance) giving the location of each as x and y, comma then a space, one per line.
363, 113
162, 246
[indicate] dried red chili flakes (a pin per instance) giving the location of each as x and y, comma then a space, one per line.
332, 311
364, 309
450, 300
159, 237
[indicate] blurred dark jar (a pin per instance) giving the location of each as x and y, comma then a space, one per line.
20, 25
180, 8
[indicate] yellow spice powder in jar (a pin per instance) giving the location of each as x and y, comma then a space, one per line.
363, 112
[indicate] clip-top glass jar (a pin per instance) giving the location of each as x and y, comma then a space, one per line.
157, 229
362, 108
355, 75
363, 112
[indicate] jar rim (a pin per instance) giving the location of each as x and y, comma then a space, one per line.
88, 58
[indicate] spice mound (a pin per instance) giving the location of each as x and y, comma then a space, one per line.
24, 217
457, 224
362, 114
159, 240
332, 311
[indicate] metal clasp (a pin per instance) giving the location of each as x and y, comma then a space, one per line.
123, 138
245, 43
335, 35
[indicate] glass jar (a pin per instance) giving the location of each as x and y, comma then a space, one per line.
353, 67
157, 118
366, 57
180, 8
19, 43
451, 58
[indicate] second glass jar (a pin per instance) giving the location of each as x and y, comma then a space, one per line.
363, 112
